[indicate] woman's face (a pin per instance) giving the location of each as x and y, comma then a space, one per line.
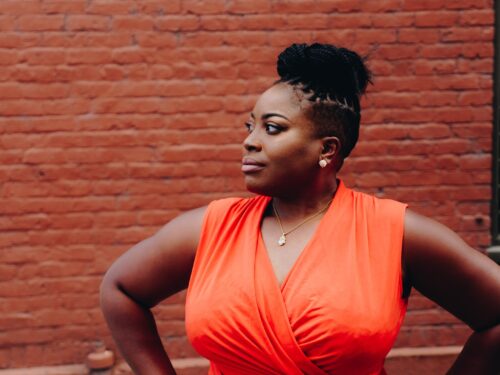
281, 151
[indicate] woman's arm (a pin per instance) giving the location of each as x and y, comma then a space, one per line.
441, 266
149, 272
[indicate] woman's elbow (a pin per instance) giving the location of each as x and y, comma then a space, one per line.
108, 291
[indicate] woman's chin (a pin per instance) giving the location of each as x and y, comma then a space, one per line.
255, 187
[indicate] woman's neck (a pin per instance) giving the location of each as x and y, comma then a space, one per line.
306, 202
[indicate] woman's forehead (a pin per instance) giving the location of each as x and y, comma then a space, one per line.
280, 98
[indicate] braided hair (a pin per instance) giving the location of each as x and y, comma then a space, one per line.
334, 79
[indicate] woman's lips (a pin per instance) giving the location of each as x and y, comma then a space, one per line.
250, 166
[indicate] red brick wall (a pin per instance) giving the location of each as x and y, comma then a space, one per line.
117, 115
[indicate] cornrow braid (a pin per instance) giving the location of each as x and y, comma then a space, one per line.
334, 79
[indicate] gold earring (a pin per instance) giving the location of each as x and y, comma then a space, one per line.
323, 163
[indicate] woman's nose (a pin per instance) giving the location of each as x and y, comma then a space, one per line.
251, 143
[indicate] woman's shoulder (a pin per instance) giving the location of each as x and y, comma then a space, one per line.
234, 205
372, 200
376, 209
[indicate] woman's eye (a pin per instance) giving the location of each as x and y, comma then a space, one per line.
249, 127
272, 129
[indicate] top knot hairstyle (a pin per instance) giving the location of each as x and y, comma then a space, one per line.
334, 79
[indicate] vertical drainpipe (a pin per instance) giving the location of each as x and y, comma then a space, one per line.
494, 250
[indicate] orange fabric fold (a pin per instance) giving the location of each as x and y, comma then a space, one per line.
338, 310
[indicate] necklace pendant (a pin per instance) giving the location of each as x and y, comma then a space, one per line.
282, 240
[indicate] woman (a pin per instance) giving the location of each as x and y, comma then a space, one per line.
308, 276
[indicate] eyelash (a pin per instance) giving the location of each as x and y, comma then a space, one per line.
267, 126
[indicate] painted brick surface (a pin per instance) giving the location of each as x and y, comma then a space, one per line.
115, 116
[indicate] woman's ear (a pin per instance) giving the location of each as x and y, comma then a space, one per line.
331, 148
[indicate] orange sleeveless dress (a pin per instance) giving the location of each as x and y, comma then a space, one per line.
338, 310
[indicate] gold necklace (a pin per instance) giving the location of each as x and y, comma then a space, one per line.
282, 239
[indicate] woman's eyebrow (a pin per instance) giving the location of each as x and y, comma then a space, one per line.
267, 115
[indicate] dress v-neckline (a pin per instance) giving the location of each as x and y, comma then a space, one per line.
261, 245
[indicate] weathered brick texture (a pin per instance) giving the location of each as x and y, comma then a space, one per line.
116, 115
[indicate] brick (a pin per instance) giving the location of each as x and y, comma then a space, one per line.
187, 55
383, 6
112, 122
7, 23
225, 87
441, 51
54, 39
255, 22
222, 23
246, 39
306, 22
203, 7
412, 35
472, 130
246, 7
17, 40
162, 40
473, 162
178, 23
9, 57
347, 21
430, 317
250, 70
87, 23
483, 65
465, 4
45, 56
158, 8
233, 54
115, 220
61, 189
63, 6
381, 68
397, 52
475, 98
322, 6
431, 67
40, 23
434, 19
112, 73
393, 20
430, 132
441, 336
90, 89
483, 17
485, 82
136, 71
33, 91
81, 39
111, 7
140, 105
165, 88
14, 7
424, 83
369, 36
422, 5
477, 50
89, 56
385, 132
438, 99
132, 23
391, 100
483, 144
467, 35
132, 55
